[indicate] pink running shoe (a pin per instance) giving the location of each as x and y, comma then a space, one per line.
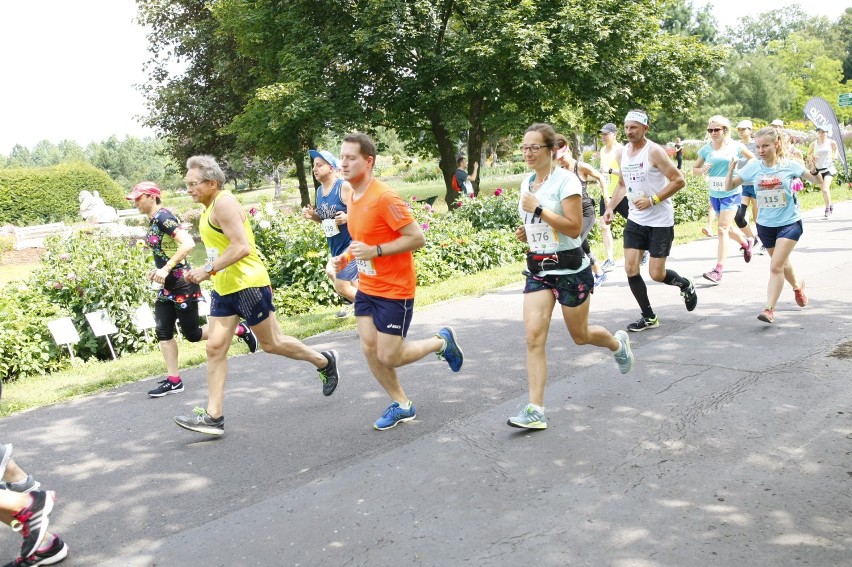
801, 298
714, 276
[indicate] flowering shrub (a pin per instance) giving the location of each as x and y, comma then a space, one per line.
82, 273
295, 252
455, 246
498, 212
26, 346
91, 271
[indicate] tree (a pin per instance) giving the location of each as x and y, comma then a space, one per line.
680, 18
844, 33
809, 68
197, 79
441, 71
755, 32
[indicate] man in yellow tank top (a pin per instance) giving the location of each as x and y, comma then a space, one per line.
241, 289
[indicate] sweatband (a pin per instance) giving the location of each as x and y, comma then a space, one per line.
637, 116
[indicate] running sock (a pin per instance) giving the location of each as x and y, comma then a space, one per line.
174, 379
673, 278
719, 268
640, 292
406, 405
536, 408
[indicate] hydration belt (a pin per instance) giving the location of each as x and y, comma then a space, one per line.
563, 260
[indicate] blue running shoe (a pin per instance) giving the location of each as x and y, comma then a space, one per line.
451, 351
393, 415
599, 279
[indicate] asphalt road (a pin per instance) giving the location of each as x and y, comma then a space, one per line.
730, 443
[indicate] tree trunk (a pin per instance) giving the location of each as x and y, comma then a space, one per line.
277, 177
447, 151
298, 158
475, 139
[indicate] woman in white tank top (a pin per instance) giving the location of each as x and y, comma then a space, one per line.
821, 155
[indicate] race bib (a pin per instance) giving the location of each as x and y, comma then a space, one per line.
716, 184
329, 227
541, 238
771, 198
366, 267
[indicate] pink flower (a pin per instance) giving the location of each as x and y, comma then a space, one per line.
57, 285
498, 191
253, 211
64, 257
425, 226
428, 208
413, 198
72, 276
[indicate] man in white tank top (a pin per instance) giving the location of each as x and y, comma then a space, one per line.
648, 180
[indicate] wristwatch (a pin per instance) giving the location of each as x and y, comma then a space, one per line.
208, 267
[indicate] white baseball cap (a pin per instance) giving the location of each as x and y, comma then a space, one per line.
778, 122
745, 124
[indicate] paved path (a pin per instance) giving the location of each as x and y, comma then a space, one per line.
729, 444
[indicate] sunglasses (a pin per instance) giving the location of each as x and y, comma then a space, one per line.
714, 130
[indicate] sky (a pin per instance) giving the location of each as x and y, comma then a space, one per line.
70, 66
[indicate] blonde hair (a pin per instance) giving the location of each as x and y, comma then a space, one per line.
724, 122
777, 138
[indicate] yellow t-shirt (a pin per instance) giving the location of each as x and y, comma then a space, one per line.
246, 273
609, 161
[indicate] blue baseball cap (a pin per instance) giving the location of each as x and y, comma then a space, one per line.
326, 156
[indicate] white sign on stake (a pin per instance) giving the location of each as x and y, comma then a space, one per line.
102, 326
143, 318
101, 323
63, 331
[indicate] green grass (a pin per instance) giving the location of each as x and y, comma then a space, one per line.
94, 377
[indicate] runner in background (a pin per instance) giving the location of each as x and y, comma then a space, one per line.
331, 213
821, 155
177, 299
779, 221
610, 148
583, 171
649, 181
713, 160
744, 128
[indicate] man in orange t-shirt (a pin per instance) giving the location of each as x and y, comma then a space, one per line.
384, 237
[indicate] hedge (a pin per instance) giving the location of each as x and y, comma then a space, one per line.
51, 194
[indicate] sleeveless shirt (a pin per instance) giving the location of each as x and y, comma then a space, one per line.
643, 180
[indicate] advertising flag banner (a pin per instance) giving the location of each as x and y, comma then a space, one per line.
820, 113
